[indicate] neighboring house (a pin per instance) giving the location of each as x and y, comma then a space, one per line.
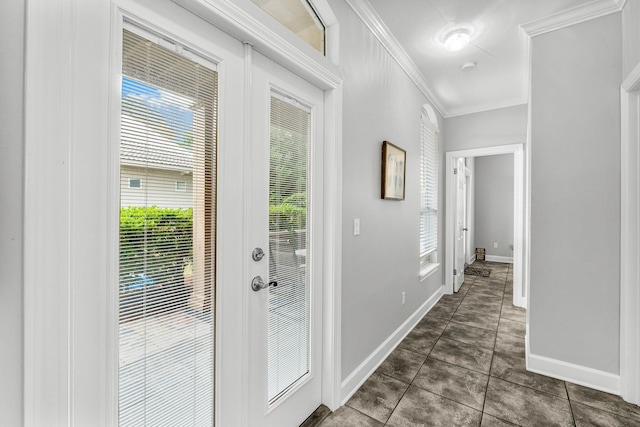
155, 171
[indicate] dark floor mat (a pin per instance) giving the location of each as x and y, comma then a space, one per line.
474, 271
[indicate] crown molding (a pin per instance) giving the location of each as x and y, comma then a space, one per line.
576, 15
480, 108
379, 29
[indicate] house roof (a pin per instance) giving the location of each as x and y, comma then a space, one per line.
142, 145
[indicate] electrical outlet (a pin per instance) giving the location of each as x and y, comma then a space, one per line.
403, 298
495, 245
356, 227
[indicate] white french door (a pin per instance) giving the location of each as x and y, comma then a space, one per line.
199, 346
285, 225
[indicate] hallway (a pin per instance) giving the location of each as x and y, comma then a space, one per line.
464, 365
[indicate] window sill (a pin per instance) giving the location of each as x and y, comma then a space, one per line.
428, 270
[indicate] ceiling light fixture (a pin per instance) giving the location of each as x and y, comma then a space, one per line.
457, 40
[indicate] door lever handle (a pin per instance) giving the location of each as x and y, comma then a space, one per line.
257, 283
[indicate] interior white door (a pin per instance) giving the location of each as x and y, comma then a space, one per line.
461, 201
285, 303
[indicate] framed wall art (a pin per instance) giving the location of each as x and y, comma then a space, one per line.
394, 160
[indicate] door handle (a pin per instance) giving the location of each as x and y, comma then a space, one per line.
465, 229
257, 283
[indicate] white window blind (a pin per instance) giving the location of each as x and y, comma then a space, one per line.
428, 187
288, 323
167, 252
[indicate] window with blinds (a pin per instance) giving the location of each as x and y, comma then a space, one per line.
167, 234
288, 323
428, 190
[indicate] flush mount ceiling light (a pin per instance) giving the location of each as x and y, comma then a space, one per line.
457, 39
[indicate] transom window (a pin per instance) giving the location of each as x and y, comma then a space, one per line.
300, 17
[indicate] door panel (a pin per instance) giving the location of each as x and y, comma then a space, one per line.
459, 246
284, 220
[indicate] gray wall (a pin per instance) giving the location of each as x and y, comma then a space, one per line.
380, 103
494, 204
11, 173
630, 36
486, 129
575, 194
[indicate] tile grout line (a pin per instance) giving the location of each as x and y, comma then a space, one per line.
493, 353
573, 417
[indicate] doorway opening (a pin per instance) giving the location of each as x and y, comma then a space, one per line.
458, 218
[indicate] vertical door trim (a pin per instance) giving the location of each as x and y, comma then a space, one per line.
247, 123
630, 239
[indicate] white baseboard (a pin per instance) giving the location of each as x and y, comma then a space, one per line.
359, 375
576, 374
519, 301
496, 258
472, 259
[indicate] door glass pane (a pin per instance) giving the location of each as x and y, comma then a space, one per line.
167, 235
288, 323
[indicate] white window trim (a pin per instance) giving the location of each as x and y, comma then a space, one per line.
134, 179
428, 270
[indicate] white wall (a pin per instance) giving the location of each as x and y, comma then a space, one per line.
575, 194
494, 204
11, 199
380, 103
630, 36
486, 129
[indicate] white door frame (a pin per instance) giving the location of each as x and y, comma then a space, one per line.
519, 226
630, 239
460, 176
67, 134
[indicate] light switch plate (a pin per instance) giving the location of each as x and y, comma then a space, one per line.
356, 227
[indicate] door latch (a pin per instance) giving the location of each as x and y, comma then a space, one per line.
257, 284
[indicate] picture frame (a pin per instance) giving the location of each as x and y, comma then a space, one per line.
394, 161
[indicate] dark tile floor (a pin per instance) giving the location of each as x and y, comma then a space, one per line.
464, 365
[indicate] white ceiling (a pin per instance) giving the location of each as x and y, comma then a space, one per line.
499, 45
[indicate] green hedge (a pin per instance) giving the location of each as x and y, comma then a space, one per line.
289, 215
156, 242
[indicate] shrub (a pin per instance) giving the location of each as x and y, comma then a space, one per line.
156, 244
289, 215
